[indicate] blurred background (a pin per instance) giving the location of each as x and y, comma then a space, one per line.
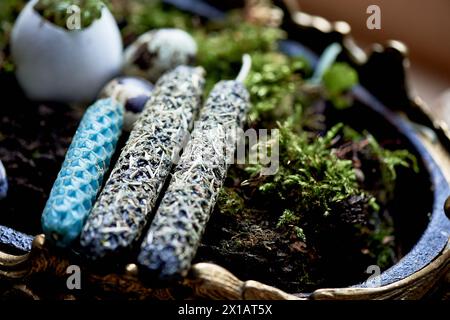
424, 26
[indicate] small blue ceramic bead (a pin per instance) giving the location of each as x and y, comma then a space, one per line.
3, 182
81, 174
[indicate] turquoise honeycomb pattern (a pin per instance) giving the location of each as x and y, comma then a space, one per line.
81, 175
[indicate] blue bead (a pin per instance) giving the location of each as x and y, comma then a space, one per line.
3, 182
81, 174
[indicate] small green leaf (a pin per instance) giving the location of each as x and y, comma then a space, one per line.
339, 78
300, 233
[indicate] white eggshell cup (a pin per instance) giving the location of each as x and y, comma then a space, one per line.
55, 64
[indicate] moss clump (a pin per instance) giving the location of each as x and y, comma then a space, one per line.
323, 215
389, 161
230, 201
220, 52
221, 45
317, 198
140, 16
9, 10
58, 11
310, 176
381, 163
272, 83
314, 223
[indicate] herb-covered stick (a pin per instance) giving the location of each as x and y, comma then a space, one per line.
181, 218
130, 194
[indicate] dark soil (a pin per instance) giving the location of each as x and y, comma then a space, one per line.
33, 142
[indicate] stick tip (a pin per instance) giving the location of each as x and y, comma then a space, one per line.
245, 69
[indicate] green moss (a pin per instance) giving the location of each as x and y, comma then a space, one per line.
56, 11
299, 233
314, 186
272, 83
390, 160
287, 218
9, 10
220, 45
230, 202
316, 194
144, 15
310, 177
338, 79
220, 52
380, 244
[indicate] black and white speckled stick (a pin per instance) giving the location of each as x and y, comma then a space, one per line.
181, 218
130, 194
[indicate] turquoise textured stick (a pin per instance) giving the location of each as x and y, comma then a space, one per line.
80, 178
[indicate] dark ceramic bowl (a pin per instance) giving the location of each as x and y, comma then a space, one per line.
422, 225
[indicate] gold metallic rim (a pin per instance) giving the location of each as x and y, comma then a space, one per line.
207, 280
